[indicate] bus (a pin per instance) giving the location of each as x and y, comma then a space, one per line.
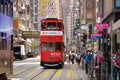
51, 42
6, 38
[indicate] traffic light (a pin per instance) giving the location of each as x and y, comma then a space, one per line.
77, 22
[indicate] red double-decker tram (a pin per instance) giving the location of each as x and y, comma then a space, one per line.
51, 41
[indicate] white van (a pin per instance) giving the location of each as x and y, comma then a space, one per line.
19, 51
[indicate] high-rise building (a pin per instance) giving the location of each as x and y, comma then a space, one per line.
50, 8
35, 14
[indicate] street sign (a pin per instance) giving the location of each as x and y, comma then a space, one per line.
77, 22
30, 34
96, 36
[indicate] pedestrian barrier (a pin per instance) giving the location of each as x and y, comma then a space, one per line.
98, 73
104, 71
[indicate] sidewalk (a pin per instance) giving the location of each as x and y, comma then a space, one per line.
82, 73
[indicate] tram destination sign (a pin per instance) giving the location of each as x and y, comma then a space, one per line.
52, 33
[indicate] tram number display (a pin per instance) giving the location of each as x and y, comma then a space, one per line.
55, 54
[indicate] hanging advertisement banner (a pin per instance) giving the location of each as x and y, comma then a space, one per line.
99, 18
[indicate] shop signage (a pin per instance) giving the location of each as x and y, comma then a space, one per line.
96, 36
100, 27
30, 34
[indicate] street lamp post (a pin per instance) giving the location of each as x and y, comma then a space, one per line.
111, 49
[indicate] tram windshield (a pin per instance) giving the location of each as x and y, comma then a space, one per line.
51, 26
44, 26
59, 26
51, 46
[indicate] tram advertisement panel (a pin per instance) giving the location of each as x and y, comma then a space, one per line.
6, 32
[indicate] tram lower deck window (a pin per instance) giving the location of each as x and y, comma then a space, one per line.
58, 46
3, 41
44, 46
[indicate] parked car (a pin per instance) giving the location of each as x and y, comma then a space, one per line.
30, 54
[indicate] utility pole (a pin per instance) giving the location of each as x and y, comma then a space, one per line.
111, 25
93, 64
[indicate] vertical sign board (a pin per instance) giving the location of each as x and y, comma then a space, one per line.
77, 22
100, 27
118, 37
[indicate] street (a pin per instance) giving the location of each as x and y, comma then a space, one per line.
30, 69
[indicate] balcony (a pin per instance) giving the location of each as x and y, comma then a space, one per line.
27, 2
116, 25
20, 10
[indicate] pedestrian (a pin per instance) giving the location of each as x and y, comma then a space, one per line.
72, 57
88, 60
82, 60
67, 57
117, 67
78, 59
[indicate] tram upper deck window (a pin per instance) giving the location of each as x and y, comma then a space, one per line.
51, 46
51, 26
59, 26
44, 46
2, 6
44, 27
6, 7
58, 46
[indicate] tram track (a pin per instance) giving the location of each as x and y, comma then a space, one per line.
38, 74
22, 71
42, 71
53, 74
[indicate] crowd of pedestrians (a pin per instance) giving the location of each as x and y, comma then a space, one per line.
98, 61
